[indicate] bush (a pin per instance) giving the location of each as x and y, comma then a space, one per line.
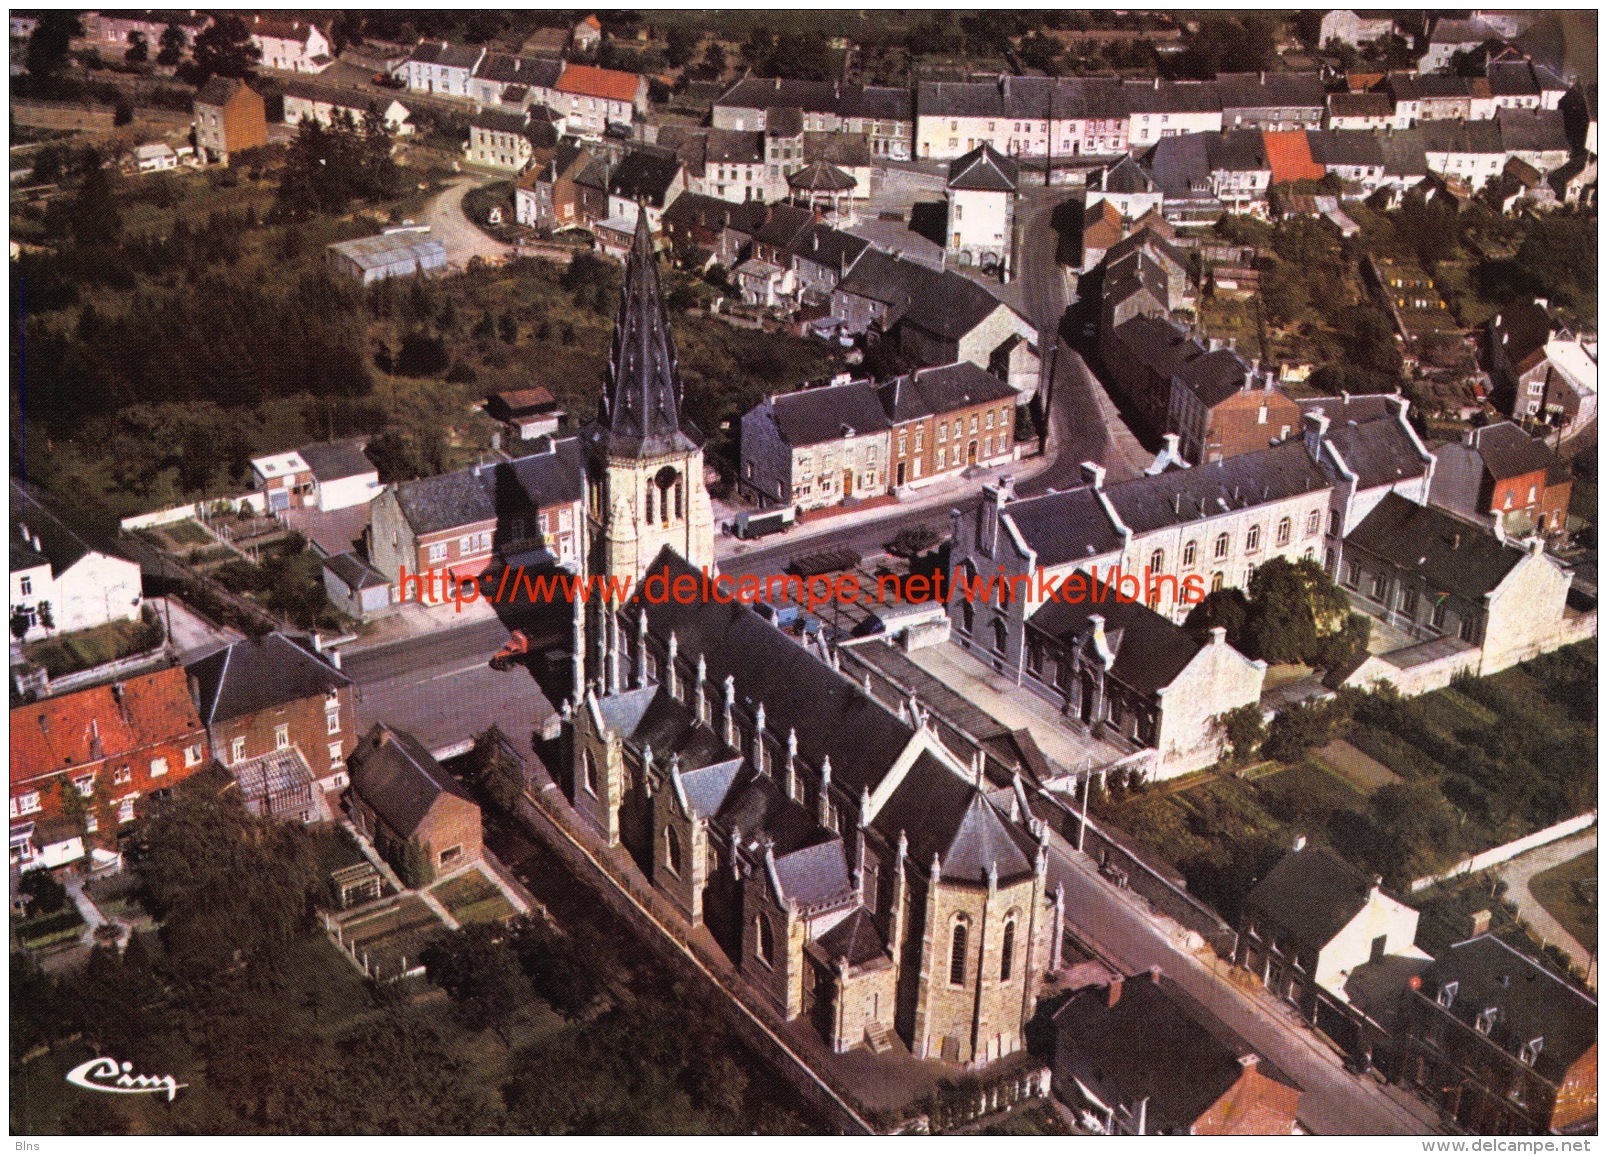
45, 895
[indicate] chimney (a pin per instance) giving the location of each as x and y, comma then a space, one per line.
1170, 441
1094, 474
1456, 540
1300, 843
1316, 429
1101, 643
1249, 1059
1219, 636
334, 658
1113, 993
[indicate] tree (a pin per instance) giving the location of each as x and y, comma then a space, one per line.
498, 768
138, 50
1244, 732
49, 43
1292, 611
913, 540
44, 894
1301, 728
681, 43
477, 968
412, 861
20, 623
93, 216
47, 620
223, 48
171, 48
1227, 608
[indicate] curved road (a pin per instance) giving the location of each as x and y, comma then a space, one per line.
448, 224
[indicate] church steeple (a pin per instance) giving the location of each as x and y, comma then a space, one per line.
641, 404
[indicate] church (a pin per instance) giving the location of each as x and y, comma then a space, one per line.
856, 871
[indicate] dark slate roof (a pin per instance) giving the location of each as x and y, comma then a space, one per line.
651, 716
447, 501
944, 814
334, 460
728, 146
947, 304
707, 787
1346, 146
354, 572
1510, 452
1270, 90
1157, 1045
761, 812
1524, 327
218, 91
1159, 344
879, 276
855, 940
1530, 1002
811, 416
782, 224
821, 178
1248, 479
780, 121
1403, 151
771, 92
1311, 894
1215, 376
393, 773
543, 479
984, 170
640, 413
840, 149
260, 673
1532, 130
1378, 452
645, 174
1166, 96
870, 102
824, 245
1239, 150
58, 545
448, 55
831, 715
1512, 78
1181, 164
1064, 527
1466, 136
1128, 176
1454, 31
505, 68
1359, 104
815, 875
941, 389
1450, 553
1150, 651
495, 120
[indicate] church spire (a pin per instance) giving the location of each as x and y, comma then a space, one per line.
640, 411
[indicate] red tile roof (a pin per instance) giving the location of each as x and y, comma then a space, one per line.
607, 83
84, 727
1289, 157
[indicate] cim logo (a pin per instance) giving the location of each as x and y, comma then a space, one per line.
106, 1074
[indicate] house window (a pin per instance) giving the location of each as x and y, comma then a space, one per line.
332, 717
1008, 951
1313, 521
1380, 587
1353, 575
1222, 545
125, 809
27, 803
86, 785
1188, 554
1333, 523
335, 755
1249, 575
237, 750
192, 755
1157, 560
27, 587
672, 852
1437, 617
957, 950
764, 941
1284, 528
438, 551
967, 618
1467, 630
122, 776
1001, 635
1409, 601
1252, 540
281, 737
1216, 581
158, 767
451, 854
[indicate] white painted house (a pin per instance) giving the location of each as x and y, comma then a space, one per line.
291, 45
55, 575
981, 193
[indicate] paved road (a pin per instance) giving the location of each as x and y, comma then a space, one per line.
463, 240
1335, 1102
1521, 870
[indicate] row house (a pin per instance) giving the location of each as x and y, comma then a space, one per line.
821, 258
1438, 97
711, 229
1524, 84
1469, 151
883, 117
1137, 1055
1158, 109
1272, 101
816, 447
1500, 471
723, 163
1021, 116
58, 584
945, 420
508, 141
110, 745
564, 187
647, 179
861, 879
1541, 369
119, 29
457, 522
1126, 185
308, 100
502, 79
1352, 111
1145, 275
291, 45
1536, 137
261, 696
765, 275
591, 99
1355, 157
1501, 1044
442, 69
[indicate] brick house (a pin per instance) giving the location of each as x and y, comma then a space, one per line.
1501, 1043
1139, 1056
436, 523
114, 744
229, 118
262, 695
946, 419
401, 794
1500, 471
547, 195
1541, 370
815, 447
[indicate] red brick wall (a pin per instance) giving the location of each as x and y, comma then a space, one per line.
309, 732
138, 764
451, 821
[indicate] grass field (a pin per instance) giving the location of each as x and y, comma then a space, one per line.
1357, 769
1315, 788
1569, 893
472, 898
67, 653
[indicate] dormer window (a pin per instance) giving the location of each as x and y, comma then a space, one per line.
1447, 995
1530, 1051
1485, 1021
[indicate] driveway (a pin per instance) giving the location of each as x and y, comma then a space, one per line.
1523, 868
462, 238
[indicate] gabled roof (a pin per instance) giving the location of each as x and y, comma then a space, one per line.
1181, 497
1373, 104
781, 224
646, 174
1403, 153
1169, 96
603, 83
444, 55
106, 721
1379, 451
942, 389
58, 545
826, 246
1128, 176
1512, 78
1345, 147
1181, 165
355, 573
514, 403
1532, 130
1311, 894
1065, 527
543, 478
1462, 136
1451, 554
530, 71
1149, 650
446, 501
815, 875
650, 716
218, 91
1509, 452
855, 940
258, 674
1453, 31
949, 305
984, 170
334, 460
1270, 90
773, 92
814, 416
706, 212
1530, 1002
1289, 157
943, 814
1238, 150
394, 774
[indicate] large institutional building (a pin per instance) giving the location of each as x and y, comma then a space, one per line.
855, 870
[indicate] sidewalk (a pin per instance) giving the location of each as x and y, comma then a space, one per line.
415, 619
1521, 871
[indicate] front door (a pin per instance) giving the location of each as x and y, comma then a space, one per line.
970, 454
900, 481
848, 483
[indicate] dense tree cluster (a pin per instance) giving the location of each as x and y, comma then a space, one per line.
1293, 613
329, 168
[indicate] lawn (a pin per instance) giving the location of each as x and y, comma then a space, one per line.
68, 653
1357, 769
49, 929
1311, 789
1569, 893
472, 898
185, 533
385, 937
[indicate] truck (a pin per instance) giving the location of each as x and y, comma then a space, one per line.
751, 526
515, 648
